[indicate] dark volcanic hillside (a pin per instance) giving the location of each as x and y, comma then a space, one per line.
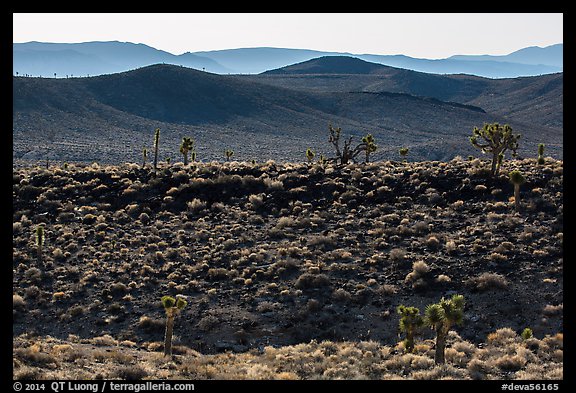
333, 65
111, 118
529, 100
282, 254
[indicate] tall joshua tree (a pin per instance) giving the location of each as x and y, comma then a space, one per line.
172, 307
156, 142
441, 317
517, 179
229, 153
187, 146
410, 322
495, 139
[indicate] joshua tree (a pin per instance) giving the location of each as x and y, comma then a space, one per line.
172, 307
540, 160
404, 152
410, 322
229, 153
39, 241
370, 146
156, 142
526, 333
348, 153
310, 155
440, 317
517, 179
186, 146
496, 140
144, 156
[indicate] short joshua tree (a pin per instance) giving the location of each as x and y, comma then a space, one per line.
229, 153
310, 155
39, 241
495, 139
370, 146
517, 179
404, 152
410, 322
526, 333
540, 159
172, 307
441, 317
187, 146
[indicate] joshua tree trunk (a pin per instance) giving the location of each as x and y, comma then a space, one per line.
410, 341
168, 336
156, 142
39, 253
517, 197
440, 346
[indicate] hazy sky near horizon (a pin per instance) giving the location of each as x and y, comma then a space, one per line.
423, 35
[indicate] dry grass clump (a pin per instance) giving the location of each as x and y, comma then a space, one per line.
417, 278
505, 356
487, 281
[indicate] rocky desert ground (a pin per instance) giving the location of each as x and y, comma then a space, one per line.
291, 270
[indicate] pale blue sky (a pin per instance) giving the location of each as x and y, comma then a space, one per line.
433, 36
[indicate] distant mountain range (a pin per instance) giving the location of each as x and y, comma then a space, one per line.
278, 114
97, 58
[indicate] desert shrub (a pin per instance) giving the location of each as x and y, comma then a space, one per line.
397, 254
207, 323
497, 257
341, 295
309, 280
196, 205
551, 310
144, 218
131, 373
432, 242
216, 274
34, 355
18, 302
487, 281
417, 277
151, 325
502, 337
